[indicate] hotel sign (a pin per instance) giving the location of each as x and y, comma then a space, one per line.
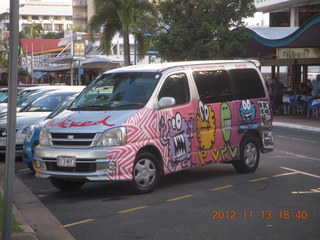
294, 53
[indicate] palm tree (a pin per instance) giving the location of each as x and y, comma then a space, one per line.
34, 30
118, 16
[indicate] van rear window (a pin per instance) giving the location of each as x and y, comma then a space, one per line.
247, 84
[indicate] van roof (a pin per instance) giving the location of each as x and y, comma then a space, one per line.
159, 67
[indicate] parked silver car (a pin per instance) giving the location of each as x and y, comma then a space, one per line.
33, 113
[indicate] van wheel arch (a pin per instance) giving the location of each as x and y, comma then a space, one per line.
250, 147
156, 152
147, 171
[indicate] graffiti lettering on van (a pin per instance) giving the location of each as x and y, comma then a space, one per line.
68, 123
248, 115
179, 140
225, 116
206, 133
266, 123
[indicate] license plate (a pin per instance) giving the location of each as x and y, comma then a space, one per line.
66, 161
3, 141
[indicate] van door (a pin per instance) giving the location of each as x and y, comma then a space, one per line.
176, 124
218, 139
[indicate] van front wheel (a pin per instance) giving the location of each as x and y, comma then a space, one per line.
146, 173
249, 155
66, 185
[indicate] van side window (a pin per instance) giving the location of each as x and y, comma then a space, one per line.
247, 84
213, 86
176, 86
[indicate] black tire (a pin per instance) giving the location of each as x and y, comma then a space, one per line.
146, 174
249, 155
30, 165
66, 184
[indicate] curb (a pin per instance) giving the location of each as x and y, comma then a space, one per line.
296, 126
34, 218
28, 233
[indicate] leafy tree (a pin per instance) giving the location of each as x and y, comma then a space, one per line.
53, 35
4, 54
118, 16
34, 30
201, 29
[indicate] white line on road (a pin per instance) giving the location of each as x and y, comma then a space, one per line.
305, 173
297, 155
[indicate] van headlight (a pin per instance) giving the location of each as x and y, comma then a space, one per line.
113, 137
29, 131
44, 137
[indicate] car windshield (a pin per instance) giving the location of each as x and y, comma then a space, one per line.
28, 97
3, 95
117, 91
61, 107
46, 103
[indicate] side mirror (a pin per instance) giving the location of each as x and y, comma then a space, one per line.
166, 102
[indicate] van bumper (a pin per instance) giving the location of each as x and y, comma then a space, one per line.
92, 164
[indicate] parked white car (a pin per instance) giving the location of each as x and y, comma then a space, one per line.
33, 113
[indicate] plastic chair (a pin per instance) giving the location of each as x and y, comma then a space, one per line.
293, 103
310, 107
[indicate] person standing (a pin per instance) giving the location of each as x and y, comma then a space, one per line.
316, 87
277, 96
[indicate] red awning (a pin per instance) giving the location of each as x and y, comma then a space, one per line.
36, 46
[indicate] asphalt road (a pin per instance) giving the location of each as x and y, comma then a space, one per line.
278, 201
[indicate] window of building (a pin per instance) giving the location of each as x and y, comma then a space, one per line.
68, 17
47, 27
176, 86
24, 17
213, 86
45, 17
35, 17
58, 27
57, 17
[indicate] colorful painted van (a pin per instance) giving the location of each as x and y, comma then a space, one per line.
137, 123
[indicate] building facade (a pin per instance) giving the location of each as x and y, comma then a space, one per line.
54, 16
288, 13
82, 11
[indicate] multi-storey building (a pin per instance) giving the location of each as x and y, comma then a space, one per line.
82, 11
54, 16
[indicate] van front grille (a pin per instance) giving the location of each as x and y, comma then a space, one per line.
73, 139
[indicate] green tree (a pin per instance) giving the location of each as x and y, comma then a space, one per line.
53, 35
34, 30
4, 54
118, 16
201, 29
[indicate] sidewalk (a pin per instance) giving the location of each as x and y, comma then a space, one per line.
39, 224
301, 122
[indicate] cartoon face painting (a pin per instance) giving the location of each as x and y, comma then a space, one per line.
206, 126
247, 111
248, 115
225, 115
178, 139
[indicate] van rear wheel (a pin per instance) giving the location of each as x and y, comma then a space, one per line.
66, 184
249, 155
146, 173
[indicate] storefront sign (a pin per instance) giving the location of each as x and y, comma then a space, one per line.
294, 53
79, 49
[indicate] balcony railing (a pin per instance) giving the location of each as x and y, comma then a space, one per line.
79, 3
80, 15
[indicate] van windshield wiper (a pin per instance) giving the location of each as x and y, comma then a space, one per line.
90, 108
137, 105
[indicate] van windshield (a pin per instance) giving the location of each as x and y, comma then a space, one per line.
117, 91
